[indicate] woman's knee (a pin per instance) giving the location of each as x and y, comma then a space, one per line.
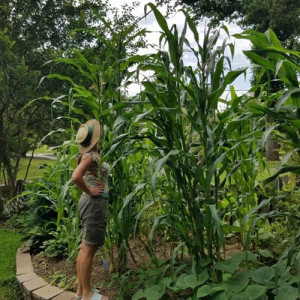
88, 249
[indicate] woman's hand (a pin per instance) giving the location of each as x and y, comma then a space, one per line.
95, 191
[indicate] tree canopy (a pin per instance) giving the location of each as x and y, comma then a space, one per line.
280, 15
35, 32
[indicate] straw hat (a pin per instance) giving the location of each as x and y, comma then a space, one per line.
88, 135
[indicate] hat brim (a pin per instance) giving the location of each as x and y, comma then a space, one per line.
95, 138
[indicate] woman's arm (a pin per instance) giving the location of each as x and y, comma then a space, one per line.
77, 178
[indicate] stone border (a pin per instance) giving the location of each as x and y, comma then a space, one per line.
34, 287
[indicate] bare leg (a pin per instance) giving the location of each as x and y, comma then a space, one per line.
85, 268
79, 287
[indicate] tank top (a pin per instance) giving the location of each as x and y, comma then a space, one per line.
96, 173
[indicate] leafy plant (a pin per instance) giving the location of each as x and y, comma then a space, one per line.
272, 57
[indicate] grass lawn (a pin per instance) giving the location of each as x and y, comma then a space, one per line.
44, 150
34, 171
272, 167
10, 242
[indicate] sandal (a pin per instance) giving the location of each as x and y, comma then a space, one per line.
80, 297
96, 296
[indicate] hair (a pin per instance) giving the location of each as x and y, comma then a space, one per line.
79, 157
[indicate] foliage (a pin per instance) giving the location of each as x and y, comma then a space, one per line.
60, 279
32, 34
102, 100
272, 57
181, 117
184, 164
16, 124
52, 207
282, 229
279, 15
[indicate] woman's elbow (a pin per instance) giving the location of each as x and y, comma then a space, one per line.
75, 178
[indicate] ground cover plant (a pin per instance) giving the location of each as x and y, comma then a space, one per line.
186, 167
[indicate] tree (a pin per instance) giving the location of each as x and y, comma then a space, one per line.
280, 15
34, 33
16, 123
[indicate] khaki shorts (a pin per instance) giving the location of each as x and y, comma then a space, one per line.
92, 213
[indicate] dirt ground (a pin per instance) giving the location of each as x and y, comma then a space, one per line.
62, 273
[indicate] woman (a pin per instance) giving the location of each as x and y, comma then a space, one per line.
91, 178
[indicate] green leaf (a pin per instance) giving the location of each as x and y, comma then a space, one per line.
273, 38
218, 224
219, 296
159, 165
166, 281
240, 296
203, 291
159, 18
262, 274
260, 60
180, 283
287, 293
191, 281
213, 168
138, 295
228, 265
285, 95
265, 253
192, 26
203, 277
238, 282
154, 292
282, 170
232, 263
266, 135
217, 74
218, 288
255, 291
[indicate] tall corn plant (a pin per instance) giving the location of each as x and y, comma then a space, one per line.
182, 118
102, 98
270, 56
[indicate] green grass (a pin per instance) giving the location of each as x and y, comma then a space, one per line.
44, 150
10, 242
272, 167
34, 171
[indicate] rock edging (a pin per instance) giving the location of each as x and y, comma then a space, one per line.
34, 287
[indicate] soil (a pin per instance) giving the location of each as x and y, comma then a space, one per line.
62, 273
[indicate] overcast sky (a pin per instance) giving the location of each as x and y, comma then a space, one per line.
150, 23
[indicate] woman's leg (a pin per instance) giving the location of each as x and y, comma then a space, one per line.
86, 256
79, 287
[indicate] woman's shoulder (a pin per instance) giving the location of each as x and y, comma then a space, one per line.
93, 157
86, 155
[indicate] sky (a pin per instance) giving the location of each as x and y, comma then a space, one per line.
241, 84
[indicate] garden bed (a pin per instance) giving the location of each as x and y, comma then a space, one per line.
62, 272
